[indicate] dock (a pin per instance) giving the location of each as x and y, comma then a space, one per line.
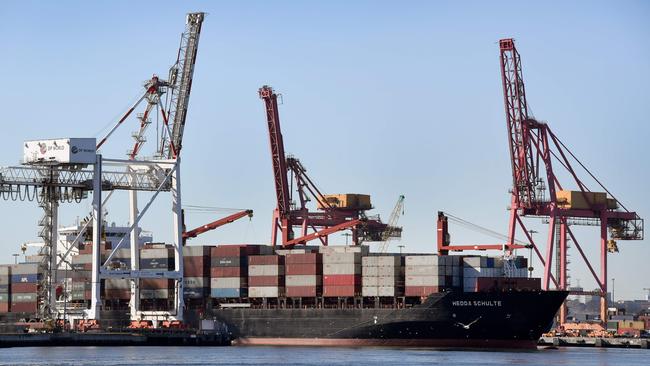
595, 342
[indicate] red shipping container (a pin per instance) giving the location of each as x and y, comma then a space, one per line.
336, 291
265, 281
302, 258
421, 291
117, 294
303, 291
303, 269
265, 259
24, 307
196, 266
156, 283
216, 272
24, 287
341, 280
4, 307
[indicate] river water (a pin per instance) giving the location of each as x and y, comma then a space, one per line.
145, 356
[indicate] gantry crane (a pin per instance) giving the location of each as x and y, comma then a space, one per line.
331, 217
50, 184
537, 191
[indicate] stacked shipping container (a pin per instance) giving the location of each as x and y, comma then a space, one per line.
196, 272
304, 274
266, 276
5, 295
24, 288
382, 276
228, 275
426, 274
487, 267
341, 272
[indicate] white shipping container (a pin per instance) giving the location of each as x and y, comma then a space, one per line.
341, 258
369, 271
265, 291
227, 282
422, 260
361, 249
60, 151
424, 271
425, 281
386, 281
303, 280
369, 291
370, 281
156, 253
289, 251
389, 271
381, 260
341, 268
265, 270
386, 290
196, 250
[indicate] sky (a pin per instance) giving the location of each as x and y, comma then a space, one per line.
379, 97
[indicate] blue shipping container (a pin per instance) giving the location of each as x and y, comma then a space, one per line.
25, 278
228, 292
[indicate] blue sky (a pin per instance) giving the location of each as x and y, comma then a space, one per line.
385, 98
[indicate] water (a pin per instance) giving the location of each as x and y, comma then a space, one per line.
149, 356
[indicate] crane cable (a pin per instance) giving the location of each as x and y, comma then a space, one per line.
481, 229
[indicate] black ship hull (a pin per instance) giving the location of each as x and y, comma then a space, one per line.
452, 319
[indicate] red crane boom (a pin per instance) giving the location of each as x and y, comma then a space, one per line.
215, 224
323, 223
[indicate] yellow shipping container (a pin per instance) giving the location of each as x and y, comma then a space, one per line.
612, 204
347, 200
633, 324
576, 199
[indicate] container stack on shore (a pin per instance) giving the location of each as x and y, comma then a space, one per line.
266, 276
196, 272
382, 276
24, 288
304, 274
5, 295
341, 271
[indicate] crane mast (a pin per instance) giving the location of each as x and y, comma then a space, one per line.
524, 169
277, 149
180, 83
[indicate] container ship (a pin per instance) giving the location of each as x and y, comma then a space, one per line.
317, 295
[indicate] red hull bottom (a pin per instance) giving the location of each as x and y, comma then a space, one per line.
356, 342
